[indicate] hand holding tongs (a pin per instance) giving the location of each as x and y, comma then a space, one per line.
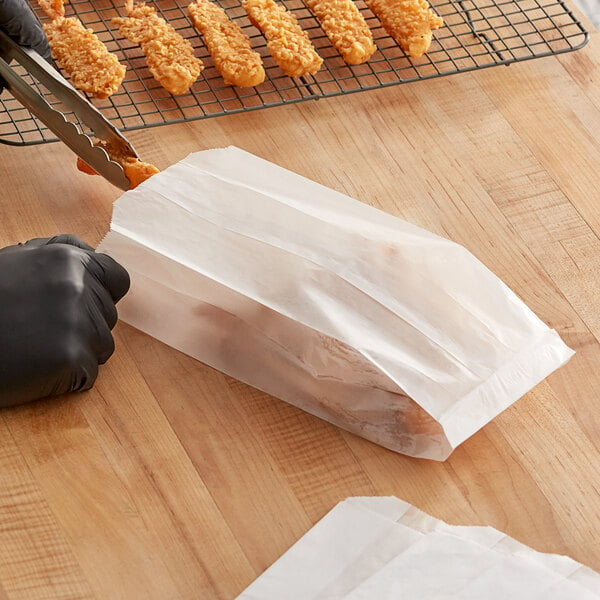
81, 143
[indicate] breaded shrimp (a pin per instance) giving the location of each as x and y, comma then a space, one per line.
346, 28
169, 56
229, 46
409, 22
135, 170
77, 50
287, 42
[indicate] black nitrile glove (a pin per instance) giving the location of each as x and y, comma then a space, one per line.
20, 23
57, 310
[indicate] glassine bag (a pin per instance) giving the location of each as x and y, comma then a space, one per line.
373, 324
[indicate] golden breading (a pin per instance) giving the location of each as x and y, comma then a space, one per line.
170, 57
229, 46
53, 8
409, 22
77, 50
287, 42
346, 28
135, 170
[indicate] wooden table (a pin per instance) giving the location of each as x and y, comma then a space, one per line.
170, 480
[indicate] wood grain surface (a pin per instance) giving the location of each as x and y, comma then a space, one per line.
169, 480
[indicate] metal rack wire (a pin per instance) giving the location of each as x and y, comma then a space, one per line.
476, 34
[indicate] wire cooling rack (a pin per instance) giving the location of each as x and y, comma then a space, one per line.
476, 34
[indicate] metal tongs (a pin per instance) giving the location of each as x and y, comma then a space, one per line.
81, 143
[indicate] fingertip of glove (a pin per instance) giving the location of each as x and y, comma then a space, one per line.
114, 276
64, 238
70, 240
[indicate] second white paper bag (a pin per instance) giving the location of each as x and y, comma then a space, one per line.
382, 548
358, 317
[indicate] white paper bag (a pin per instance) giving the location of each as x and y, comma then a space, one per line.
386, 549
358, 317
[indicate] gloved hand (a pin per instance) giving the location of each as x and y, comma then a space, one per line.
20, 23
57, 310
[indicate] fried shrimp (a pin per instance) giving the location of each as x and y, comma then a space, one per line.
135, 170
287, 42
346, 29
409, 22
169, 56
228, 45
77, 50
